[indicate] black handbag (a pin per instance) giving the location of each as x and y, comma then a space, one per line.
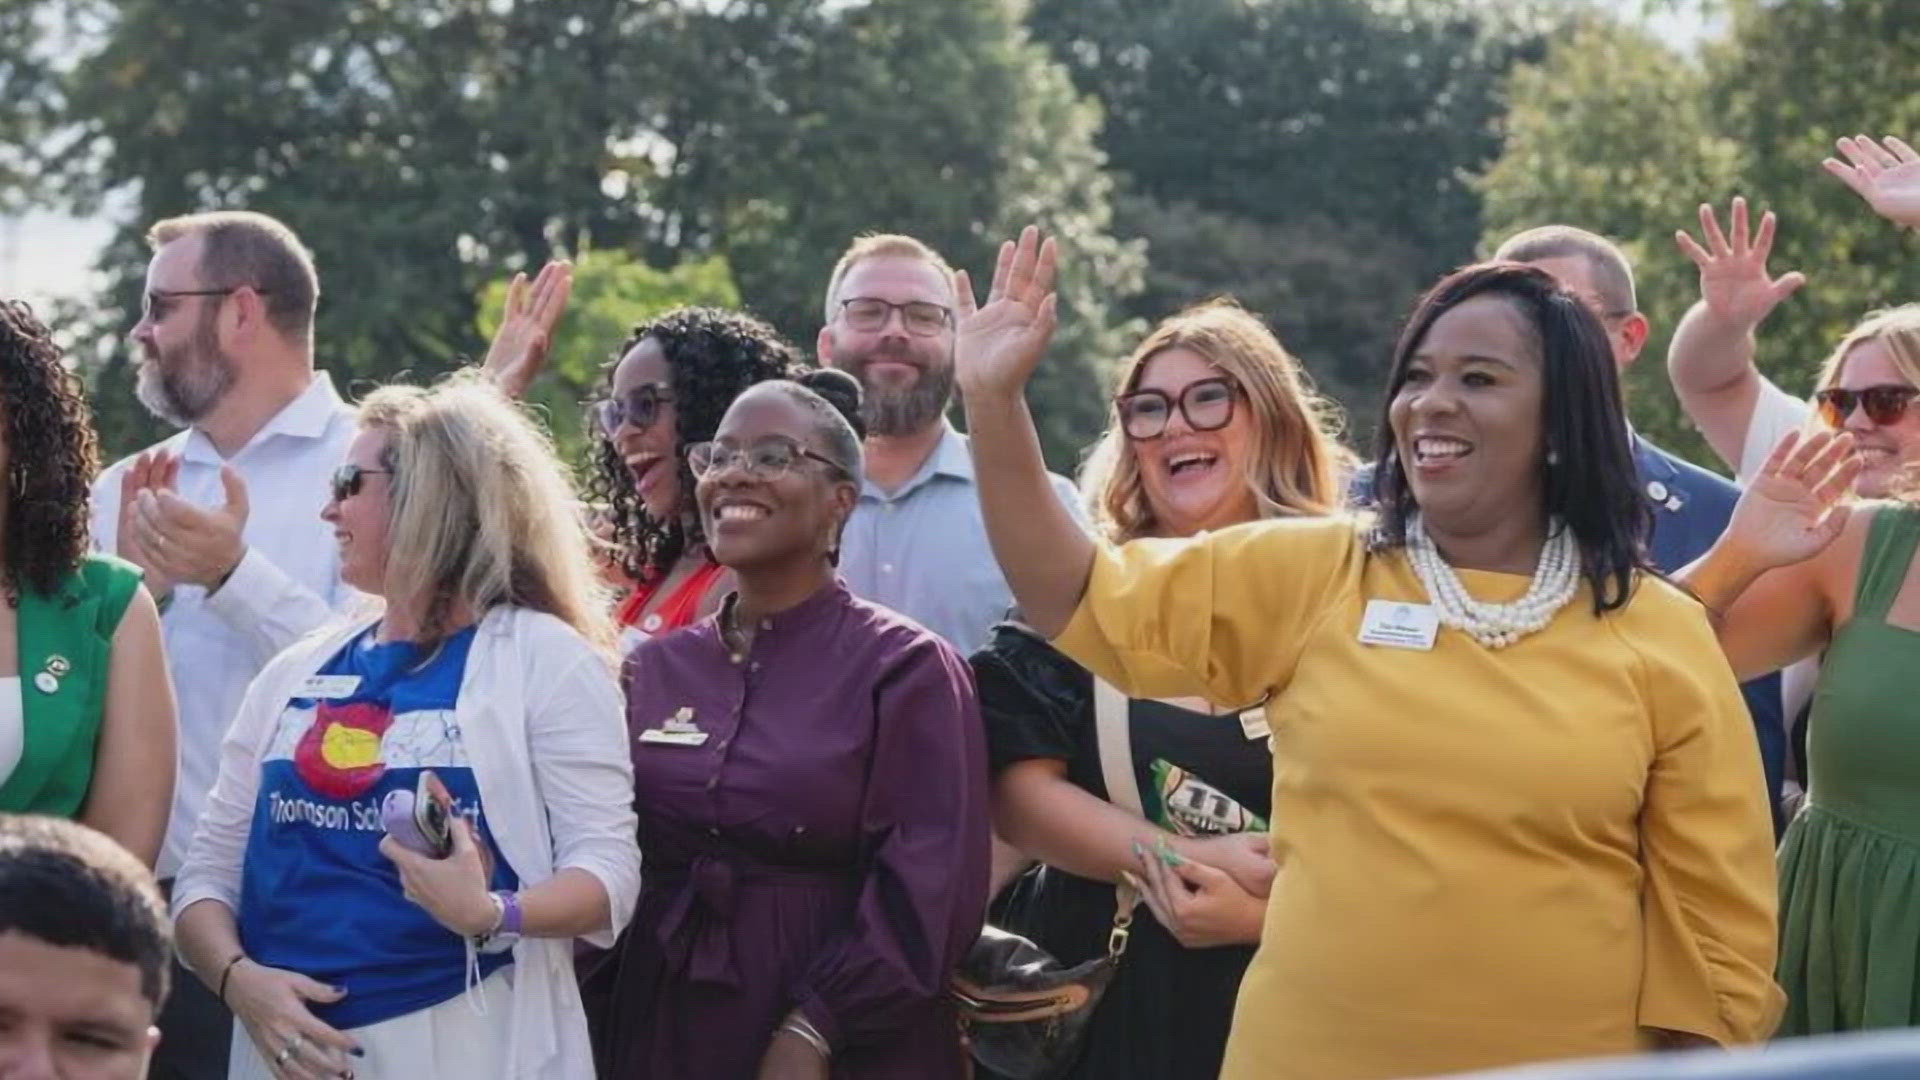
1023, 1013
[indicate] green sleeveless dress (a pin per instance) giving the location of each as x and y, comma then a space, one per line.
1850, 862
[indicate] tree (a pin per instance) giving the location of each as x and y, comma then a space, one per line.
612, 293
422, 147
1611, 133
1618, 134
1308, 156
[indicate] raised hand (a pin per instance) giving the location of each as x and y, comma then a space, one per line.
519, 349
187, 543
1885, 173
153, 470
1792, 509
997, 347
1733, 272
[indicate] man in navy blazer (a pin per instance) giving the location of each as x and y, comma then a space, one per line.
1690, 505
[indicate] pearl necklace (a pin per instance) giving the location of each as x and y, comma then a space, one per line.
1555, 581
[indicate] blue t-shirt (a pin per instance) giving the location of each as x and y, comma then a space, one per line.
316, 895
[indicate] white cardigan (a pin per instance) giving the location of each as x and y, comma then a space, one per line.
545, 728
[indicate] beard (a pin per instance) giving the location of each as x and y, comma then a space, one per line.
183, 384
891, 409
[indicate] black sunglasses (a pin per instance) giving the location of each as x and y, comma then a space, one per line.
349, 479
638, 407
1884, 404
1207, 404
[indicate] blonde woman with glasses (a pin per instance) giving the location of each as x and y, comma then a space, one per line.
485, 685
1214, 424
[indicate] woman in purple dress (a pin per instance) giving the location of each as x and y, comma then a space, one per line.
811, 789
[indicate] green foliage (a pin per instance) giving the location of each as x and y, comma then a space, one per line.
424, 147
1611, 134
1618, 134
612, 293
1309, 157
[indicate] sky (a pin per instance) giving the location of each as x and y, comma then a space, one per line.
47, 255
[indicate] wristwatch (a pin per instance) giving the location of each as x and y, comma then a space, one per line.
506, 929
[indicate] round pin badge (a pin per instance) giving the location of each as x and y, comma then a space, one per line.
651, 623
46, 683
1657, 491
58, 665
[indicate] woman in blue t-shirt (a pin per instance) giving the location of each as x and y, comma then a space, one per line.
338, 949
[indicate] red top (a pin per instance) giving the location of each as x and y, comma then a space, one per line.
681, 608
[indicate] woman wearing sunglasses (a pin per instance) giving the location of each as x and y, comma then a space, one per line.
340, 949
1214, 425
811, 788
674, 379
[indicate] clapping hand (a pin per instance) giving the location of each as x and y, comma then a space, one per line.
171, 538
1733, 272
997, 347
519, 348
1885, 173
1792, 510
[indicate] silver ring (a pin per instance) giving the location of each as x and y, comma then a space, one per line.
288, 1050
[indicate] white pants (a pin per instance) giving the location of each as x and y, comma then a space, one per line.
447, 1042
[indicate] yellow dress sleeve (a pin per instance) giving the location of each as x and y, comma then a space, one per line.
1221, 616
1711, 896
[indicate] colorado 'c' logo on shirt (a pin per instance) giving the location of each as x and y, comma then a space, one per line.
339, 755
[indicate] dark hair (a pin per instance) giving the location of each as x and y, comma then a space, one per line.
840, 427
244, 248
1592, 488
714, 355
51, 457
71, 887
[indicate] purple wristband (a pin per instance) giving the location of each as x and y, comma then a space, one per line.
512, 917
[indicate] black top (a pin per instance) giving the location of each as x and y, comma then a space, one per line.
1168, 1010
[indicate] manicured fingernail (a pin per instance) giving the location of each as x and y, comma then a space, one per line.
1169, 856
1138, 851
1132, 882
358, 1051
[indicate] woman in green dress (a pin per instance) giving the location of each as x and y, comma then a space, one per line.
86, 707
1801, 572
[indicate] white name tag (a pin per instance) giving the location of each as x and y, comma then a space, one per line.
1253, 723
1399, 625
673, 738
329, 686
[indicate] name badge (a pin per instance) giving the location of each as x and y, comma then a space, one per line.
1253, 723
673, 738
1399, 625
329, 686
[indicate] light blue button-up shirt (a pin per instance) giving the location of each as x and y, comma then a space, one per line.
922, 550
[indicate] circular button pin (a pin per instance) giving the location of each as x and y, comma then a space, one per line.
651, 623
46, 683
1657, 491
58, 665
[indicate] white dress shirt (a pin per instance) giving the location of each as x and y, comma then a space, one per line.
286, 586
545, 727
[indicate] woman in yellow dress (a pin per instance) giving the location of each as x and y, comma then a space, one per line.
1517, 802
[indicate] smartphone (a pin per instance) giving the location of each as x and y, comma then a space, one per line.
422, 819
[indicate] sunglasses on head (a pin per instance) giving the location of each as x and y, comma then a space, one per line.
638, 407
349, 479
1883, 405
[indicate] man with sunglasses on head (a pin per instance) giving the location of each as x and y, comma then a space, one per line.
1690, 506
224, 517
916, 542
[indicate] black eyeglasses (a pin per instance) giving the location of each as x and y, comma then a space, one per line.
1884, 404
638, 407
349, 479
156, 306
1207, 404
766, 459
868, 313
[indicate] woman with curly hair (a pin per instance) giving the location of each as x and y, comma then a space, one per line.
86, 707
674, 380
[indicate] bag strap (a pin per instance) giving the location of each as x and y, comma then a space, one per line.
1113, 737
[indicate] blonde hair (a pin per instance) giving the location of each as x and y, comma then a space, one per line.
1898, 328
483, 512
881, 246
1297, 467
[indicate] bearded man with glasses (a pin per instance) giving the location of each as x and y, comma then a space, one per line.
916, 542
